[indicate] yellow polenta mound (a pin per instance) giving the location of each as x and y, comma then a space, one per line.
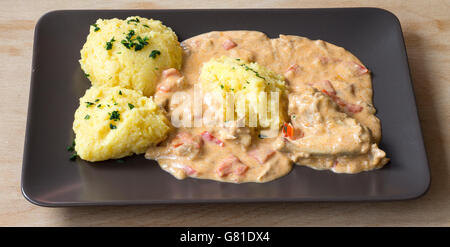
245, 81
114, 122
129, 53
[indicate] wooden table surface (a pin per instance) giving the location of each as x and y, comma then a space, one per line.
426, 27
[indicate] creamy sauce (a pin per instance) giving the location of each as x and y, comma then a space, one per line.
330, 108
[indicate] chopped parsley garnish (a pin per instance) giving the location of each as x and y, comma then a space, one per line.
237, 59
145, 25
293, 116
156, 68
109, 44
256, 72
87, 116
130, 34
96, 28
71, 147
99, 105
133, 20
131, 106
89, 103
247, 82
115, 115
97, 100
112, 126
154, 53
129, 42
87, 75
73, 157
126, 44
221, 86
120, 92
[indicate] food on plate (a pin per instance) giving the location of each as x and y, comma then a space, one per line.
312, 102
114, 122
244, 80
130, 53
329, 138
329, 124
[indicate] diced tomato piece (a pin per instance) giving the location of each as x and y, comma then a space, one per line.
358, 69
189, 170
290, 132
294, 67
241, 169
170, 72
261, 155
230, 165
208, 137
225, 169
229, 44
163, 88
348, 107
186, 138
354, 108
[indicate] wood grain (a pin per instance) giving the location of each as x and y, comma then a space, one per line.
426, 26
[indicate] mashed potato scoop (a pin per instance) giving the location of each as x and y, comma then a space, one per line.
114, 122
130, 53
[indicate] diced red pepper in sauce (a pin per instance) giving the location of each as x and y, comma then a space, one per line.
290, 132
208, 137
229, 44
163, 88
241, 169
189, 170
230, 165
294, 67
358, 68
186, 138
170, 72
349, 107
261, 155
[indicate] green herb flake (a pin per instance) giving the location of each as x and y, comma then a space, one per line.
96, 28
89, 103
97, 100
145, 25
99, 105
120, 92
221, 86
87, 75
156, 68
112, 126
115, 115
131, 106
154, 54
109, 44
133, 20
293, 116
87, 117
73, 157
71, 147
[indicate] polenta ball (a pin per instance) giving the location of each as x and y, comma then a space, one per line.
129, 53
246, 81
114, 122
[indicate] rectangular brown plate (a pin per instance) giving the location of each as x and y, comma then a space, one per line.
49, 178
